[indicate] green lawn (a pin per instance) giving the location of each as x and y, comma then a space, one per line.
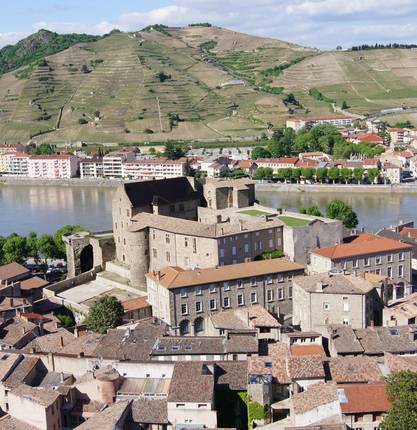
253, 212
293, 222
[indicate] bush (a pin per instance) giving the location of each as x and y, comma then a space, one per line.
82, 121
105, 313
269, 255
148, 131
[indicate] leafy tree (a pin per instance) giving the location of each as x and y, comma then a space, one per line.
295, 174
402, 393
173, 151
47, 247
260, 152
334, 174
32, 246
14, 249
337, 209
263, 173
2, 242
162, 76
346, 174
66, 229
308, 172
358, 173
321, 173
373, 174
404, 124
312, 210
105, 313
283, 145
82, 121
345, 105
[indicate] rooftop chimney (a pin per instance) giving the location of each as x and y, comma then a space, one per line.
61, 341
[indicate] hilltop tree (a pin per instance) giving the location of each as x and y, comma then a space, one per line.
338, 209
402, 393
282, 145
173, 151
260, 152
105, 313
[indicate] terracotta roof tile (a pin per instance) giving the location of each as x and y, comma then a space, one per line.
11, 270
317, 395
354, 369
364, 244
135, 303
364, 398
175, 277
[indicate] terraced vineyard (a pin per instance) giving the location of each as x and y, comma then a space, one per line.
193, 83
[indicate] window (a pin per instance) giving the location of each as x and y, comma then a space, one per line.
213, 304
270, 295
401, 256
239, 283
184, 293
198, 291
281, 293
240, 300
186, 242
280, 277
269, 279
154, 253
367, 261
184, 309
167, 239
389, 272
253, 297
290, 292
271, 243
221, 252
326, 306
400, 270
389, 258
226, 286
198, 307
253, 282
246, 248
168, 257
345, 304
226, 302
212, 288
194, 245
356, 263
172, 208
345, 321
181, 206
378, 260
378, 271
234, 250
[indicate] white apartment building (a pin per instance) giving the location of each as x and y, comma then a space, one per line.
277, 163
11, 148
14, 163
53, 166
337, 121
154, 168
91, 168
112, 163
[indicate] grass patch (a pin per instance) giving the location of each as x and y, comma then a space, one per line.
291, 221
253, 212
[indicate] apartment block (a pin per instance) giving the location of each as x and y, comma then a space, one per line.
337, 121
53, 166
154, 168
185, 299
112, 162
322, 299
91, 168
369, 253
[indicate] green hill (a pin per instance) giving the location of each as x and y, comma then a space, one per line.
194, 83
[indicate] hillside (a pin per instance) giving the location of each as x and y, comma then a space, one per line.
193, 83
37, 46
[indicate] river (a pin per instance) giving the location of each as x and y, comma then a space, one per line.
25, 208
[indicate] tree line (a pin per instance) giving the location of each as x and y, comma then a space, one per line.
324, 138
16, 248
321, 174
335, 209
365, 47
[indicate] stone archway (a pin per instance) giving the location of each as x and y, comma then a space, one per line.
86, 259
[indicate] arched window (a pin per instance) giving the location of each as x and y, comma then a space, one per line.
198, 325
184, 327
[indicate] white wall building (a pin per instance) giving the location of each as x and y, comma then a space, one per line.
91, 168
53, 166
154, 168
112, 163
337, 121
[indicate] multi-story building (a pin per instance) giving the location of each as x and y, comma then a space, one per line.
369, 253
154, 168
185, 299
11, 148
14, 163
53, 166
91, 168
337, 121
277, 163
322, 299
112, 162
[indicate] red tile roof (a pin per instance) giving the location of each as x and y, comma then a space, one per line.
364, 398
370, 137
364, 244
136, 303
307, 350
409, 232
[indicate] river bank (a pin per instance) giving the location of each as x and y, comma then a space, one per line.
73, 182
338, 188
